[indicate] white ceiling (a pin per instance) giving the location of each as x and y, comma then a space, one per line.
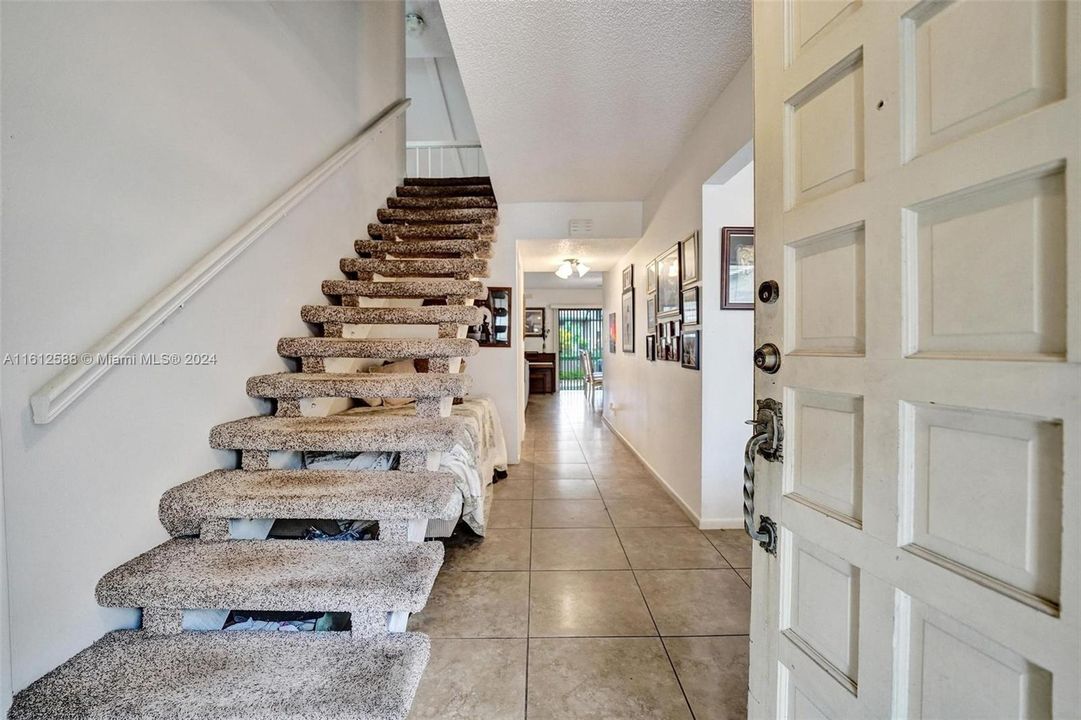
599, 254
590, 100
549, 280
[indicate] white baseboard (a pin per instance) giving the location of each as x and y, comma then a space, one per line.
721, 524
664, 483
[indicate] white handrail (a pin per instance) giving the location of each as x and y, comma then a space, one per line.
60, 392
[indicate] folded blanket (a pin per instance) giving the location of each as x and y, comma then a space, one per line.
472, 463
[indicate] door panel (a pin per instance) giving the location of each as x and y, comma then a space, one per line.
917, 198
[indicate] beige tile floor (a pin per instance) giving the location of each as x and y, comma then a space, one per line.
592, 595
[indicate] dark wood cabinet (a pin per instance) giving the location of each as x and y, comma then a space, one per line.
542, 372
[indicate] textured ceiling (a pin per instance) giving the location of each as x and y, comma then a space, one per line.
599, 254
549, 280
590, 100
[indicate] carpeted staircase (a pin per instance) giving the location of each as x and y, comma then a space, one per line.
429, 243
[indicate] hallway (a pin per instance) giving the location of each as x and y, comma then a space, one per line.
592, 596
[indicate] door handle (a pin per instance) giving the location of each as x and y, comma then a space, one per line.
767, 440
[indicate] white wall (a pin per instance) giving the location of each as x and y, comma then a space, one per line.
552, 299
5, 617
652, 404
440, 109
727, 356
136, 136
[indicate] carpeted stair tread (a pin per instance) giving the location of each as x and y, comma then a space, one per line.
297, 494
444, 190
480, 247
379, 348
428, 315
412, 289
439, 215
469, 201
186, 573
431, 230
428, 267
342, 433
222, 675
359, 385
464, 180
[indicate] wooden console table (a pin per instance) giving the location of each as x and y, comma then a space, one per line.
542, 372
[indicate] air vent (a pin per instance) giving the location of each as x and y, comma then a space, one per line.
582, 227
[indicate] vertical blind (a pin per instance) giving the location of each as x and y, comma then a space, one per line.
579, 329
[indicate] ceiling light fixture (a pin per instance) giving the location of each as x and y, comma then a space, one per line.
570, 266
414, 24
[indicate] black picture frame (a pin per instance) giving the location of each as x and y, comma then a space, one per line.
651, 277
628, 278
651, 348
689, 300
628, 321
651, 312
668, 340
737, 275
690, 351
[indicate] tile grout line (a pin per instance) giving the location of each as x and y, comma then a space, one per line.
660, 638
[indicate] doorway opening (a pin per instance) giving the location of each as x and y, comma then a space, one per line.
578, 329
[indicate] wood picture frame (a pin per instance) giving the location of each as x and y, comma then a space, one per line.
688, 259
737, 268
628, 278
651, 313
534, 321
668, 283
496, 328
628, 321
651, 277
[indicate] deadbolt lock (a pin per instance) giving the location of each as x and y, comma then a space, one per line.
767, 358
769, 291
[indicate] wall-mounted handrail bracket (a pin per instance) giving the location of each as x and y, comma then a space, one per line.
766, 440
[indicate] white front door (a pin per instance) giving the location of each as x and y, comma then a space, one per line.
918, 200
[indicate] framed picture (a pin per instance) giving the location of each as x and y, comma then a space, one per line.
670, 349
689, 355
534, 322
668, 283
668, 341
495, 327
689, 259
651, 277
651, 313
651, 348
690, 306
737, 268
628, 321
628, 278
611, 332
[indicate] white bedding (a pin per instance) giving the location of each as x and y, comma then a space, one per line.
471, 465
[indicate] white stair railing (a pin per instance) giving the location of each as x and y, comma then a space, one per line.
60, 392
440, 159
